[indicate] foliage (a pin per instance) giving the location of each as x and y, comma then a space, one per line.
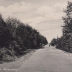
65, 42
53, 42
16, 38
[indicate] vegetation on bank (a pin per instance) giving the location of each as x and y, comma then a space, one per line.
16, 38
65, 41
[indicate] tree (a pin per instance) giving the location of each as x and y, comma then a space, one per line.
65, 41
53, 42
68, 19
4, 33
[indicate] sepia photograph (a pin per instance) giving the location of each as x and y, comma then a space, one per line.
35, 35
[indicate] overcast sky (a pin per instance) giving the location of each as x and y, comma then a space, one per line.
44, 15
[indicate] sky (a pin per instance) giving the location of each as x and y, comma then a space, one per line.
43, 15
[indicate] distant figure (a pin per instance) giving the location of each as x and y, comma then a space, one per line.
49, 45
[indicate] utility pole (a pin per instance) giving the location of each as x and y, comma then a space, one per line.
63, 36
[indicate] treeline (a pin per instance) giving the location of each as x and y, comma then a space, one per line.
17, 37
65, 41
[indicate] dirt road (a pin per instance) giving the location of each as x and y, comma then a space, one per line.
48, 60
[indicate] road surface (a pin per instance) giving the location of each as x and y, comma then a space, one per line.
48, 59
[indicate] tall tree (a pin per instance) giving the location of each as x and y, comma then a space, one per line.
68, 19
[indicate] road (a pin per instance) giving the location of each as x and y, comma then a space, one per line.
48, 59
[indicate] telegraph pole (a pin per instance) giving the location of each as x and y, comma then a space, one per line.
63, 36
